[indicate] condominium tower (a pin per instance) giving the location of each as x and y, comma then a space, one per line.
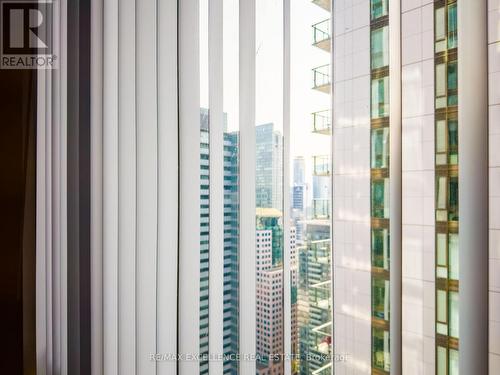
314, 277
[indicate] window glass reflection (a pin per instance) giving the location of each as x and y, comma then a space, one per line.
380, 97
379, 8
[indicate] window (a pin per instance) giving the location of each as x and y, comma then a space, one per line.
447, 256
442, 256
379, 163
380, 97
453, 199
380, 148
453, 362
380, 47
380, 349
380, 248
442, 360
447, 309
380, 298
447, 198
446, 27
379, 8
453, 307
440, 29
446, 158
453, 255
440, 85
452, 26
380, 198
452, 84
446, 85
446, 142
442, 312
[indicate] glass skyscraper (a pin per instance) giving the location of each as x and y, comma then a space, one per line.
269, 167
231, 244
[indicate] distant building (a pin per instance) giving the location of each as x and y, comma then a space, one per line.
269, 285
269, 167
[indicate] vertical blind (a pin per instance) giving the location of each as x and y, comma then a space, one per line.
146, 205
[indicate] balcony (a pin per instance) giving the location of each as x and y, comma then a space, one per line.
325, 4
321, 35
321, 78
321, 165
322, 122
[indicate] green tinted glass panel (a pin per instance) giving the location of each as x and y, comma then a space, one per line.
379, 8
442, 360
453, 254
380, 47
452, 26
453, 199
441, 249
380, 148
380, 199
442, 302
380, 97
453, 141
380, 349
453, 314
441, 193
452, 76
380, 298
452, 84
453, 362
380, 248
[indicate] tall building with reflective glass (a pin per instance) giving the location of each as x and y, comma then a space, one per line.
412, 84
379, 190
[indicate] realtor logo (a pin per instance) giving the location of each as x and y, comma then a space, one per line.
27, 35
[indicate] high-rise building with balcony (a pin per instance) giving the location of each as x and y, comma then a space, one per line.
314, 275
314, 311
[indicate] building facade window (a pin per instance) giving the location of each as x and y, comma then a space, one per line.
380, 185
380, 350
380, 97
380, 298
380, 198
446, 167
380, 248
380, 148
379, 8
380, 47
447, 142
